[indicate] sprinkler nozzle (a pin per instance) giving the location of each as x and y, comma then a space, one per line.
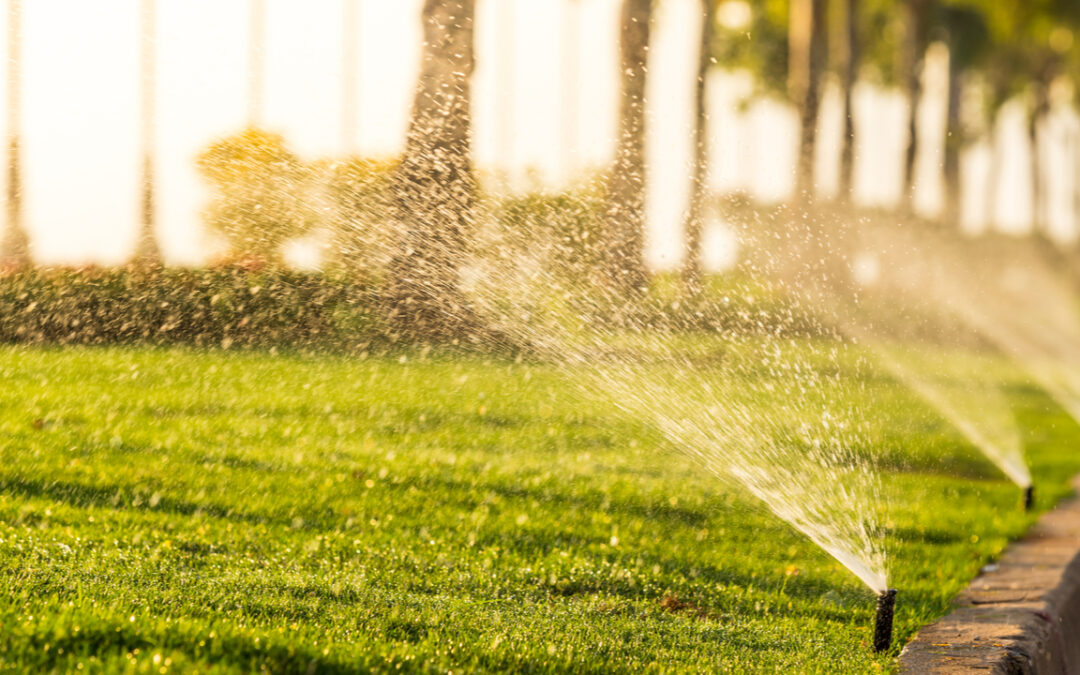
886, 603
1029, 497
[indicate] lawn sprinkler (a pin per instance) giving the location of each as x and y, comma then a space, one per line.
1029, 497
886, 603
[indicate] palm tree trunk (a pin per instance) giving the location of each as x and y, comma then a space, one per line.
808, 56
624, 222
147, 252
434, 187
917, 15
695, 214
15, 246
992, 175
954, 143
850, 74
1075, 152
1039, 215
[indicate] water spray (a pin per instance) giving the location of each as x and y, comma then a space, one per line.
886, 604
1029, 497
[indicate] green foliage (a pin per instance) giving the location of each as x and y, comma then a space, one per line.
761, 47
1027, 42
338, 310
217, 306
882, 33
968, 36
262, 193
564, 227
1014, 42
241, 512
360, 191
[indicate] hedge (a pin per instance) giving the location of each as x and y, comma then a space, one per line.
235, 306
218, 306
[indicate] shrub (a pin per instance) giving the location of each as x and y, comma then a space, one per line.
359, 190
563, 225
263, 194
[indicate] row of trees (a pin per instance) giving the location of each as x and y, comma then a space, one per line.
1013, 47
1017, 46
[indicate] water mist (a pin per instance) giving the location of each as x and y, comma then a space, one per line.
756, 406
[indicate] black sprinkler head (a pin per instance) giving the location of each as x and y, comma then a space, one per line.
886, 603
1029, 497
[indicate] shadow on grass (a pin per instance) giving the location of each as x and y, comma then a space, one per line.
953, 463
117, 497
927, 535
103, 638
591, 501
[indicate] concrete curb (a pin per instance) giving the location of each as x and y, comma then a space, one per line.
1021, 615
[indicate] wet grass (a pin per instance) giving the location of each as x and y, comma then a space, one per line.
178, 510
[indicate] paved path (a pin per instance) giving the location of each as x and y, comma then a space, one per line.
1021, 615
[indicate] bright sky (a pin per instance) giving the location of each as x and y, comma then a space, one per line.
81, 105
81, 126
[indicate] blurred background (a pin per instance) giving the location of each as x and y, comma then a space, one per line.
985, 86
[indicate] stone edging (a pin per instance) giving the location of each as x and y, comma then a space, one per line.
1021, 615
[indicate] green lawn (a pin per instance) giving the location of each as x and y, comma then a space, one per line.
178, 510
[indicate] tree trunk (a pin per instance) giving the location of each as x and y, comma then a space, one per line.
807, 64
1039, 207
15, 245
624, 218
434, 188
850, 74
695, 214
991, 193
147, 252
914, 49
954, 143
1074, 150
